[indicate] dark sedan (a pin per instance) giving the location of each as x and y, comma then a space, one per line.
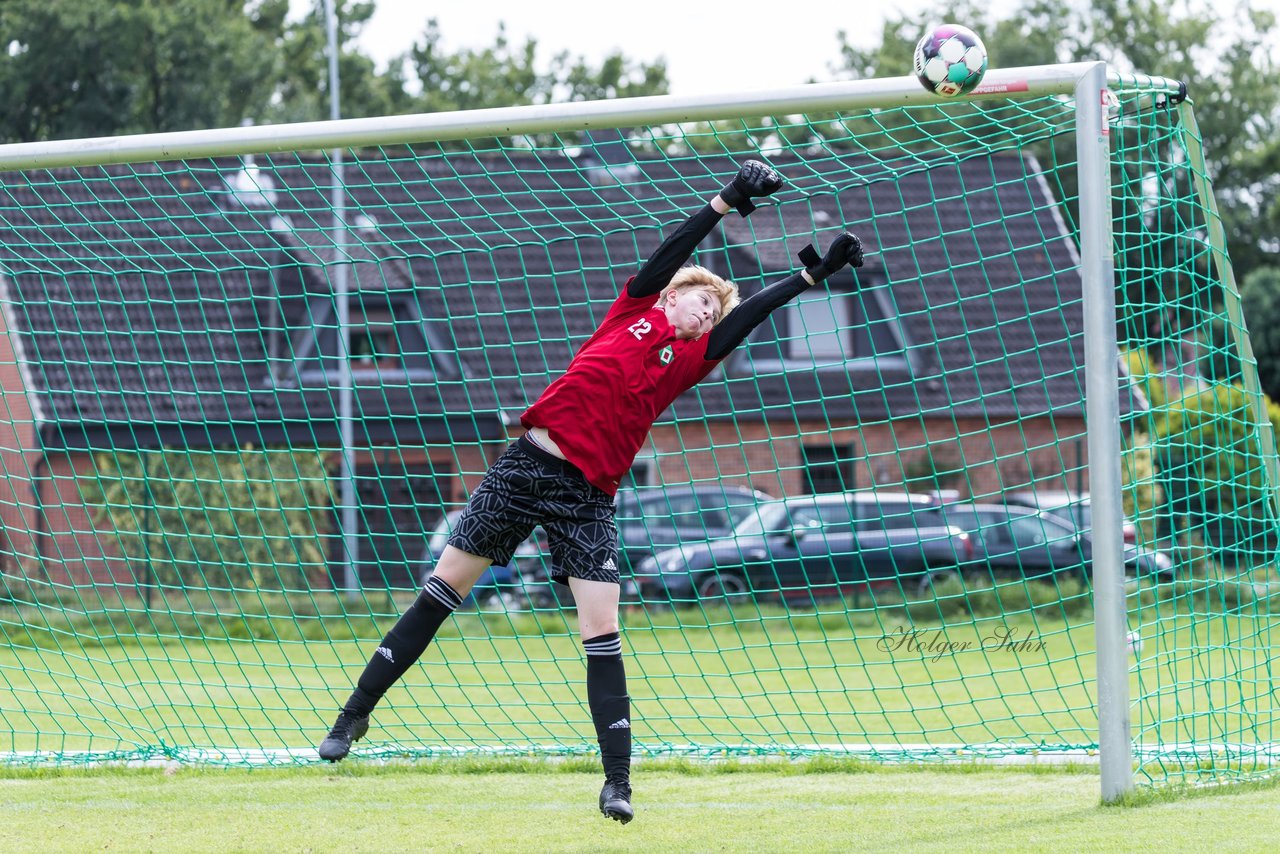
1020, 542
813, 545
652, 519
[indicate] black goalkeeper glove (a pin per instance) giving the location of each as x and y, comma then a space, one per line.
845, 249
754, 180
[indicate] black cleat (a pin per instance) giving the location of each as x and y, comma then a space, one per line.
615, 800
346, 729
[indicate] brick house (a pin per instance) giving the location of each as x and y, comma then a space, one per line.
193, 305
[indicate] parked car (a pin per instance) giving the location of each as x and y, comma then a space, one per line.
522, 583
1073, 507
500, 587
652, 519
812, 545
1012, 541
649, 519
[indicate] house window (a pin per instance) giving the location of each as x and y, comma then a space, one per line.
847, 324
386, 335
820, 328
828, 468
375, 341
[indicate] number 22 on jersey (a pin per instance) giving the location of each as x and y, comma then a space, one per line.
640, 328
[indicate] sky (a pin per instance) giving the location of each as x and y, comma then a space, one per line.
709, 47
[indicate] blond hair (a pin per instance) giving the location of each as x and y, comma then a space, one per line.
694, 277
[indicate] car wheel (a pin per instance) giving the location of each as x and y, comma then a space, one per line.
728, 588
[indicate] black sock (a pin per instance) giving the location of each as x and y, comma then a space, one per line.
610, 705
403, 645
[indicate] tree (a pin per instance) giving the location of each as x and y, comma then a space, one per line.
505, 74
80, 68
496, 76
300, 86
83, 68
617, 77
1032, 36
1226, 60
1260, 295
1210, 465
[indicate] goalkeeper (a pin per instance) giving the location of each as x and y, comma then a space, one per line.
668, 329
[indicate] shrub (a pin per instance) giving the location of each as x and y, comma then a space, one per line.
240, 518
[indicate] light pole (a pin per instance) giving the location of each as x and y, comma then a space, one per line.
341, 287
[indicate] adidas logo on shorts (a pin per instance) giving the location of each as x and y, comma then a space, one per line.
609, 565
385, 653
622, 724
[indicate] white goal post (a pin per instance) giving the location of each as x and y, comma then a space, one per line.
1084, 84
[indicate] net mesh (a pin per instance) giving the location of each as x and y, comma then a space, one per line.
246, 397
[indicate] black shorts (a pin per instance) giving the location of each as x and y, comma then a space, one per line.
527, 487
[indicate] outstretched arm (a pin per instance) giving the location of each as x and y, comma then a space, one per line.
754, 180
734, 329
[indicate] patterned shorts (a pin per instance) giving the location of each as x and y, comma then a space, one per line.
527, 487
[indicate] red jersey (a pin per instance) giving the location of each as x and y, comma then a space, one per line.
626, 375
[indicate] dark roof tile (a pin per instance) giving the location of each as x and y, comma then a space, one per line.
142, 291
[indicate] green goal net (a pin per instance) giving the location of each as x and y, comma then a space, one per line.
246, 392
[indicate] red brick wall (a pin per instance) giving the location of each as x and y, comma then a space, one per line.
471, 462
74, 548
764, 456
993, 458
76, 551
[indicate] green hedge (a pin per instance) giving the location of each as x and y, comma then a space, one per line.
235, 518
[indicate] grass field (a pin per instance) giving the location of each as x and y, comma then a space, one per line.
533, 806
162, 683
824, 678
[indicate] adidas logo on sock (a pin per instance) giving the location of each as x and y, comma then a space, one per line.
622, 724
609, 565
386, 653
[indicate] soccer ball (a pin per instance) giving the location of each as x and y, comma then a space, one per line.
950, 60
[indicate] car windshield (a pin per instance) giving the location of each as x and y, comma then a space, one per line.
776, 517
891, 515
965, 519
769, 518
1020, 526
1052, 527
690, 513
740, 509
1076, 511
